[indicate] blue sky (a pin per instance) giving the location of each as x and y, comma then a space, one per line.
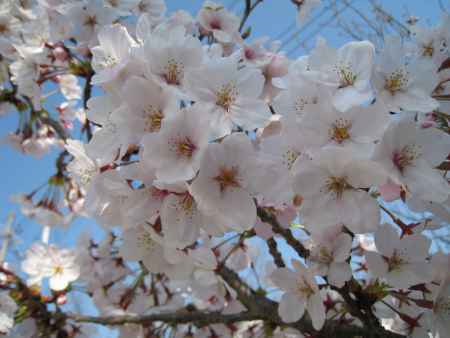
22, 173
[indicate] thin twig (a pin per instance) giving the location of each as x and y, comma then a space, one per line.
249, 7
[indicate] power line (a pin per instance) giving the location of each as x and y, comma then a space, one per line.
286, 30
7, 235
321, 26
306, 25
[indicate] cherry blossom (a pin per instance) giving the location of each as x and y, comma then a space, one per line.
170, 59
59, 265
302, 293
334, 179
402, 262
215, 19
7, 309
177, 149
397, 80
231, 95
148, 104
329, 256
440, 323
113, 53
409, 154
348, 70
226, 181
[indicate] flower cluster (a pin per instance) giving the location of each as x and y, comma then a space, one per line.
202, 152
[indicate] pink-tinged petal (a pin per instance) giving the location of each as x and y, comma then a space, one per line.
377, 265
342, 247
263, 230
339, 273
58, 282
239, 207
386, 239
250, 113
316, 310
390, 191
415, 247
291, 308
285, 279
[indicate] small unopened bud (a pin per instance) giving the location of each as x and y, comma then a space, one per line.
60, 54
297, 200
62, 299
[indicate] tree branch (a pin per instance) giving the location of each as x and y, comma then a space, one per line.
199, 318
269, 218
249, 7
273, 249
87, 92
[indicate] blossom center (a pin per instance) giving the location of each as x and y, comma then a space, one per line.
249, 54
289, 158
337, 185
145, 240
394, 262
109, 61
304, 288
184, 147
428, 50
215, 24
3, 28
158, 193
396, 81
90, 20
58, 270
442, 306
227, 178
173, 72
324, 256
340, 130
405, 157
187, 203
153, 118
346, 76
226, 96
86, 175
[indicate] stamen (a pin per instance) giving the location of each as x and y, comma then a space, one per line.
173, 72
304, 288
153, 118
394, 262
289, 158
90, 21
346, 76
185, 147
340, 130
226, 96
428, 50
406, 157
397, 81
337, 186
227, 178
57, 270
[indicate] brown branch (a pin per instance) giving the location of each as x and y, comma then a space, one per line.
269, 218
87, 92
273, 249
59, 129
199, 318
334, 329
